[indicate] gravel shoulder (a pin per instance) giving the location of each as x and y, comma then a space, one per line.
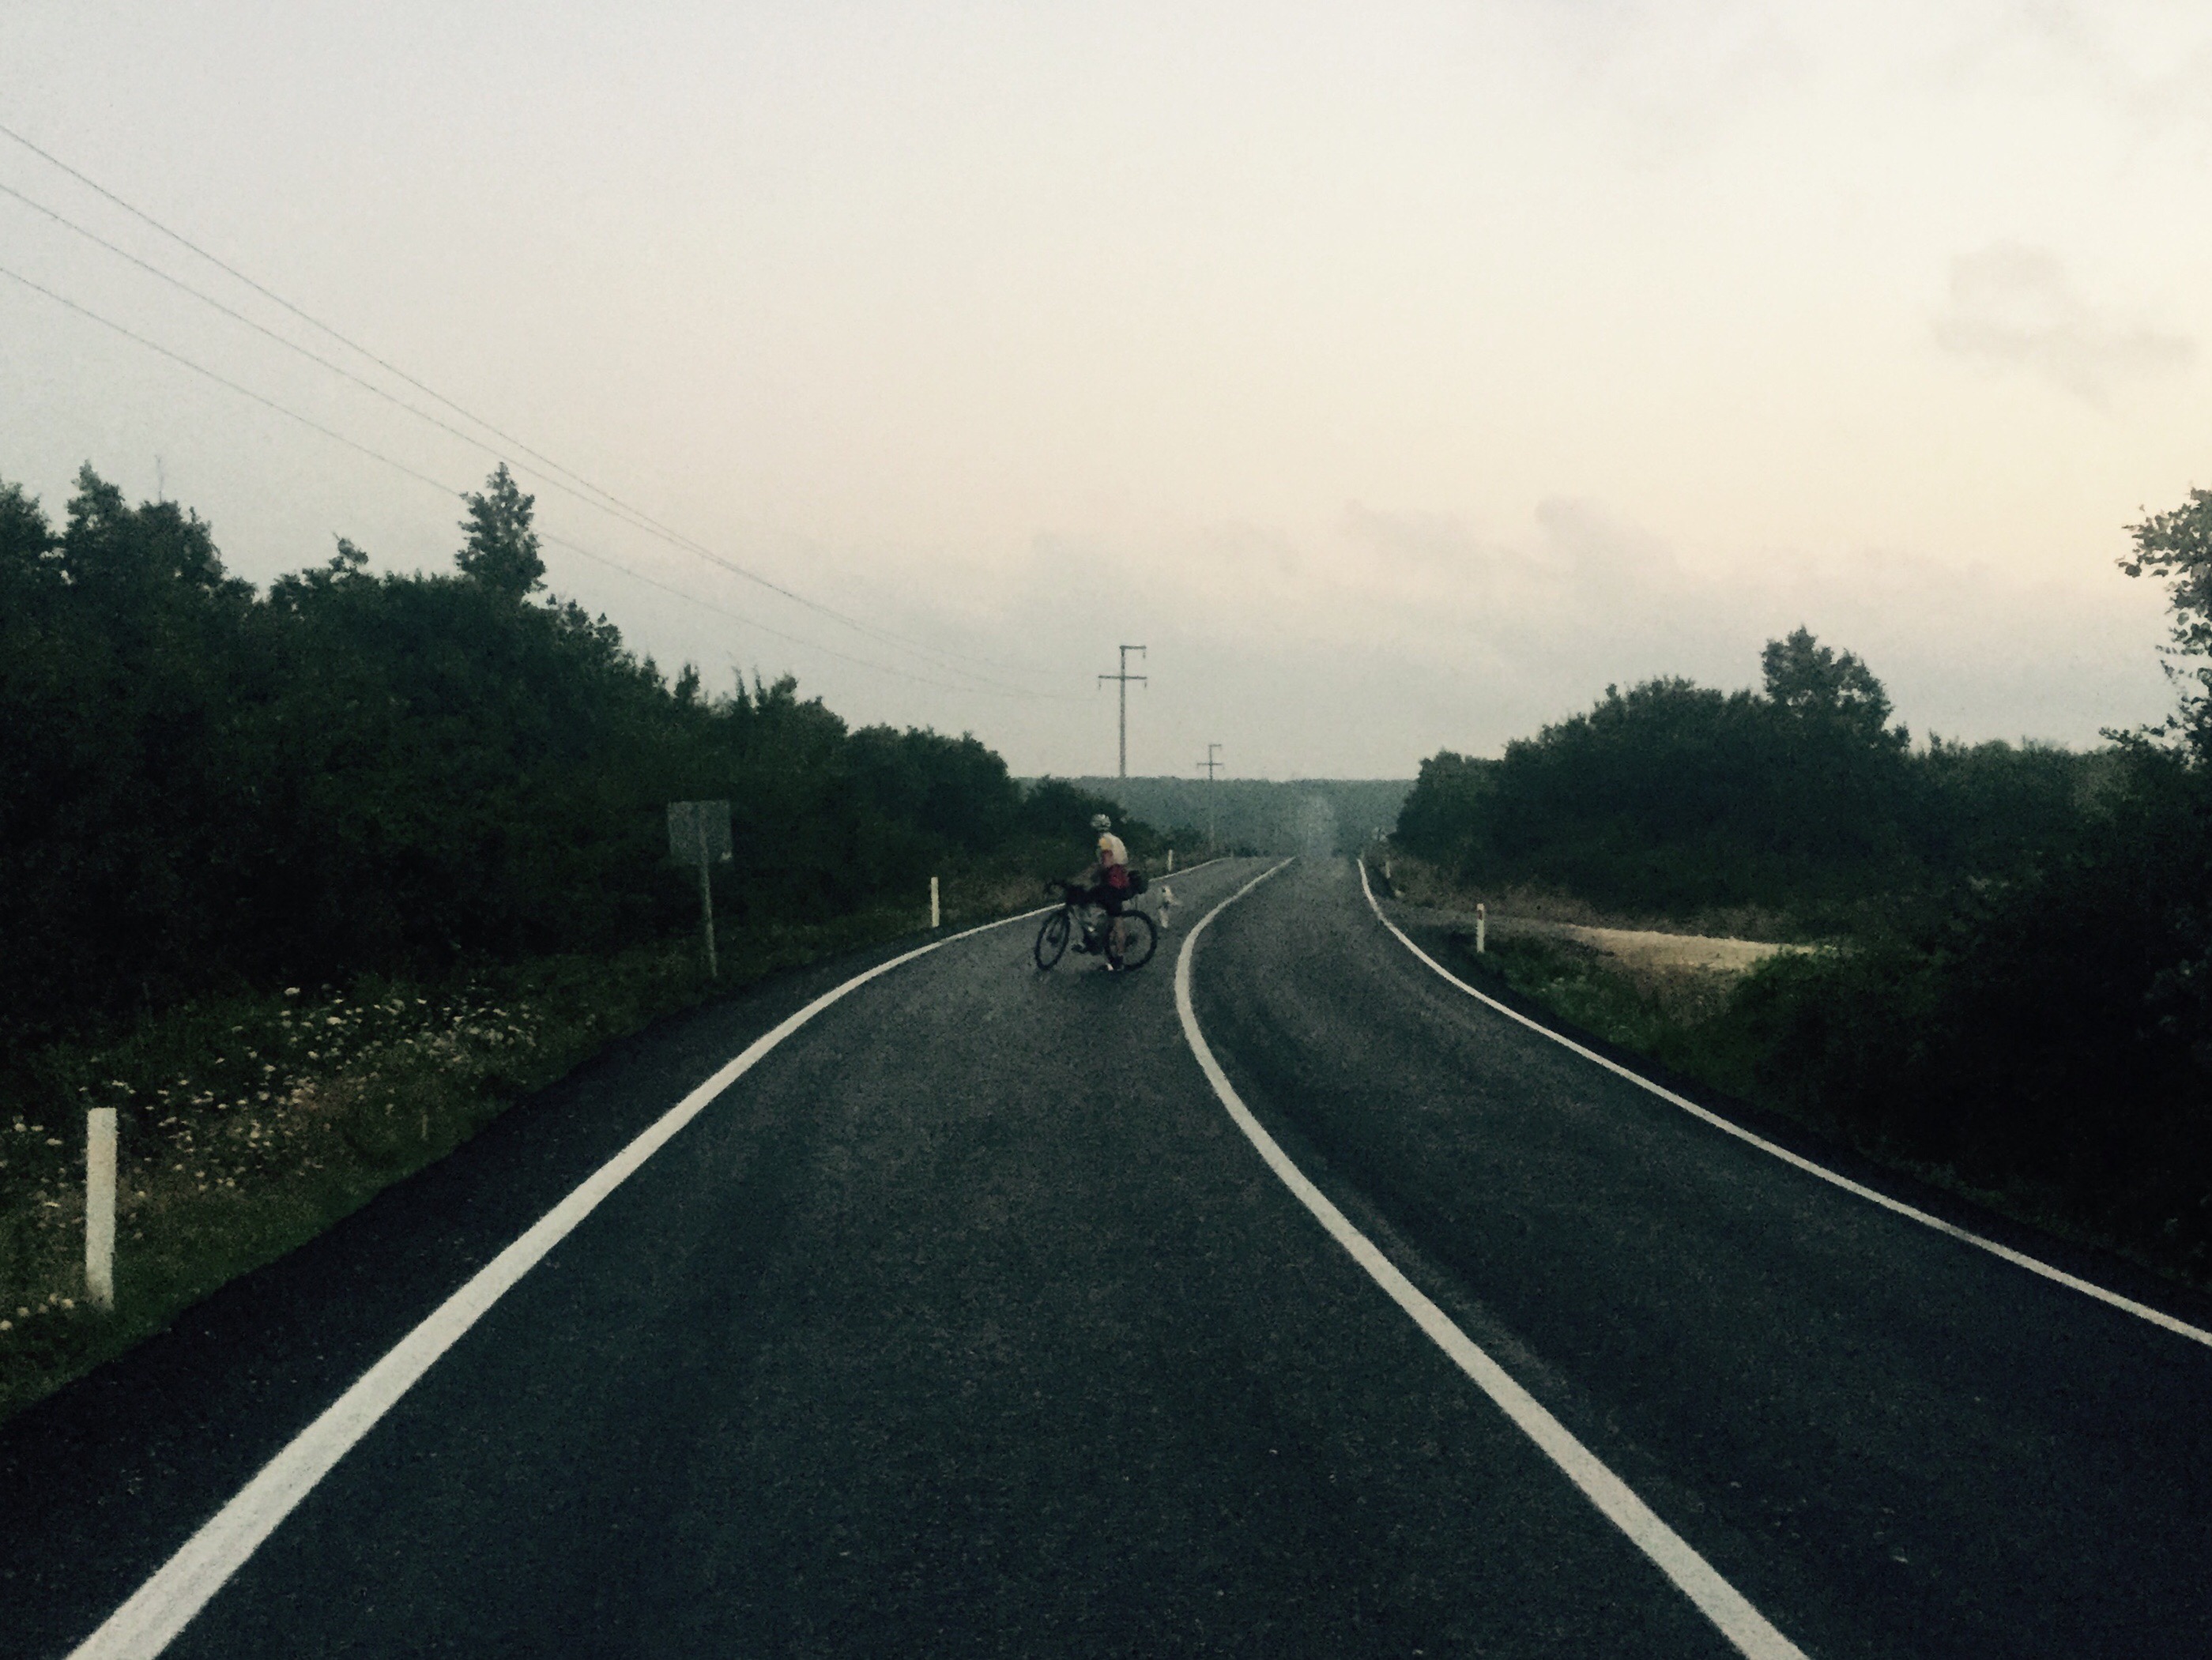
1637, 947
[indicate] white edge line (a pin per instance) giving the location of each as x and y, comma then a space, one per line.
1743, 1625
181, 1588
2141, 1311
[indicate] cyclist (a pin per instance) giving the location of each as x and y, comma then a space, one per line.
1106, 883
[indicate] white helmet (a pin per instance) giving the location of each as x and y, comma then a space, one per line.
1100, 822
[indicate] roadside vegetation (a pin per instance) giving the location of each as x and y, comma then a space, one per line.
312, 883
2011, 990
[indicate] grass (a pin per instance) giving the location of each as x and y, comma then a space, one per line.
1418, 882
1680, 1017
1689, 1021
251, 1124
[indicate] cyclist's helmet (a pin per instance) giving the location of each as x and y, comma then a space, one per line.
1100, 822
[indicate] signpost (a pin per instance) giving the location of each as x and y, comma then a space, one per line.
699, 833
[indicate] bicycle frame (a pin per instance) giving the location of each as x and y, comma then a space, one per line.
1090, 925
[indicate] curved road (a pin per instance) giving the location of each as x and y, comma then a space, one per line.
967, 1322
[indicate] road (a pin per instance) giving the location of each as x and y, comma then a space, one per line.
967, 1322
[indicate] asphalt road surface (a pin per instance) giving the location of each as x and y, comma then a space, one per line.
967, 1322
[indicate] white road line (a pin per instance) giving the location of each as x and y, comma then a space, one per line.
1743, 1625
165, 1604
2141, 1311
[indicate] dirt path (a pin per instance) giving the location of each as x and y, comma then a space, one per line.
1638, 948
1645, 949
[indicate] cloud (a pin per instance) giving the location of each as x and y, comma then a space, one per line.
1674, 77
2014, 306
2145, 64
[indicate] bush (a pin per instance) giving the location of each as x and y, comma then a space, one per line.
204, 788
1676, 799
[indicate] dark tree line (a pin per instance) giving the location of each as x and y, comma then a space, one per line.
1799, 797
2022, 987
203, 786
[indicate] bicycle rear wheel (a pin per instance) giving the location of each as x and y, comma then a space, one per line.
1052, 938
1136, 936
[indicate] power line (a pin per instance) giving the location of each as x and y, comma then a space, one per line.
237, 316
221, 380
624, 516
635, 517
259, 327
736, 617
442, 424
442, 486
229, 269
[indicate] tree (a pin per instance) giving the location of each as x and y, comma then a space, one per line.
1813, 682
502, 552
1442, 818
2177, 546
26, 543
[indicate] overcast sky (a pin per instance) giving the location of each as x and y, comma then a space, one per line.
1400, 375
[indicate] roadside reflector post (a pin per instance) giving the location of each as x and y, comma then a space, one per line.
99, 1205
1386, 870
699, 833
1170, 861
1481, 928
935, 916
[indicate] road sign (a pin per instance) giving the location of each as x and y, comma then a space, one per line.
699, 831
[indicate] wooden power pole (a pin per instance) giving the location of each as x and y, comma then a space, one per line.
1213, 764
1125, 677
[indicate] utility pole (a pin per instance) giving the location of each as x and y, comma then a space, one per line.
1213, 764
1125, 677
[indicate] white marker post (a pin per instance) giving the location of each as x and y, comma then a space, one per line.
935, 916
1481, 928
99, 1205
1170, 861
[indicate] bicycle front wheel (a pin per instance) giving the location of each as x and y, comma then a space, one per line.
1136, 936
1052, 938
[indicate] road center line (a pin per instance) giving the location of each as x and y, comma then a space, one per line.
181, 1588
1718, 1601
2141, 1311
